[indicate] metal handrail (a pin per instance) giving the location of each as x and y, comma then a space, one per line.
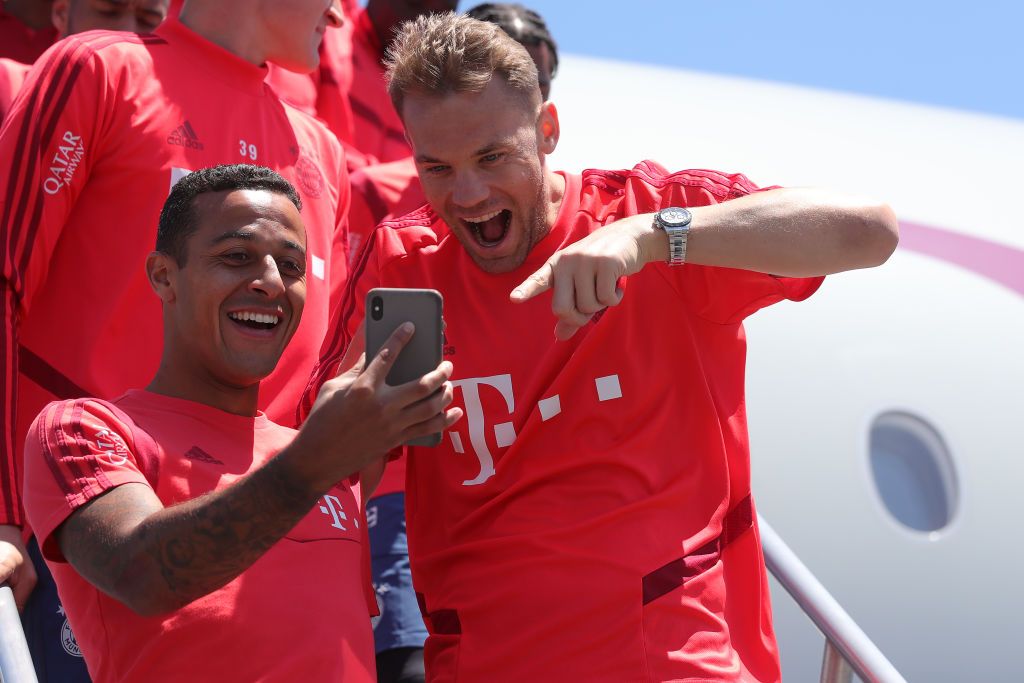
846, 645
840, 630
15, 660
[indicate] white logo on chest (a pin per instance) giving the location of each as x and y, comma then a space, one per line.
332, 506
608, 389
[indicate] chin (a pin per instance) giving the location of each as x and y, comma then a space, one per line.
498, 266
304, 65
250, 373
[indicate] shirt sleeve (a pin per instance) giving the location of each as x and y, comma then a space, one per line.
48, 144
726, 295
76, 451
718, 295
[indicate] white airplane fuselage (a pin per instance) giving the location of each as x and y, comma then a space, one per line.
934, 338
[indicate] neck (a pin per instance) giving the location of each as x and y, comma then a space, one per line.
171, 381
234, 28
556, 193
32, 13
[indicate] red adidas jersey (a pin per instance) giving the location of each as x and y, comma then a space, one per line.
299, 613
354, 100
298, 90
12, 75
590, 518
21, 43
381, 192
105, 125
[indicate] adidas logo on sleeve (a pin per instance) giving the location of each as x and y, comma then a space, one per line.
185, 136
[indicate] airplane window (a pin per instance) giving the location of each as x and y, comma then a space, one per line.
913, 471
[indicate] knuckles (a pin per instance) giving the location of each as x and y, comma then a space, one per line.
427, 384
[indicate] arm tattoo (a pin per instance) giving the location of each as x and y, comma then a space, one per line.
205, 543
174, 555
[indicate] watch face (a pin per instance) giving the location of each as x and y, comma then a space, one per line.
674, 217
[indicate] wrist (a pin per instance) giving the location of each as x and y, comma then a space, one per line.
653, 242
674, 223
296, 472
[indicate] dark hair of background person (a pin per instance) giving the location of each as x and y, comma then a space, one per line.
178, 219
522, 24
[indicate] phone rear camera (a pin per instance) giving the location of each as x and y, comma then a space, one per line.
376, 308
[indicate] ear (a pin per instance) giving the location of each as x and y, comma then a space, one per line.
59, 16
162, 271
547, 128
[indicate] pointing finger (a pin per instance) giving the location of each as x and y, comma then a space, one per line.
539, 282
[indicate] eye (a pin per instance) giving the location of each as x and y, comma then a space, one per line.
110, 9
291, 266
436, 169
491, 158
236, 257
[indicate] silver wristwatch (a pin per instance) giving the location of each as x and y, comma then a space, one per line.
675, 222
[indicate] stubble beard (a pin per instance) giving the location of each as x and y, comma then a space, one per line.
535, 228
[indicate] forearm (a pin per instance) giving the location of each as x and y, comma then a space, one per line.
797, 232
171, 556
156, 559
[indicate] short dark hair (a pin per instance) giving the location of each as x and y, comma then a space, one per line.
178, 219
522, 23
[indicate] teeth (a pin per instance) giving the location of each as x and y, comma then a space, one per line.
264, 318
485, 217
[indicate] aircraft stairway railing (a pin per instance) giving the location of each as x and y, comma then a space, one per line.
848, 649
15, 660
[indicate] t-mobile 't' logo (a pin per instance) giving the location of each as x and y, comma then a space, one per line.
332, 506
607, 388
504, 432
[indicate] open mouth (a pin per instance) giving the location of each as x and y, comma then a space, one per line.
490, 229
255, 321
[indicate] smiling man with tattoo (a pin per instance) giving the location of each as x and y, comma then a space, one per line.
181, 524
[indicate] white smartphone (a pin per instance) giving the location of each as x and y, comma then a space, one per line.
386, 309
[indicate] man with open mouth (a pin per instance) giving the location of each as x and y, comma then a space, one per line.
179, 522
591, 519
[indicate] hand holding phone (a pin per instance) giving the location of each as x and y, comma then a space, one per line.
386, 309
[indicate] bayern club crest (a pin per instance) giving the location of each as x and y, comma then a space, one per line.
67, 639
310, 179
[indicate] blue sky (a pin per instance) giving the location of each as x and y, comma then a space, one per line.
964, 55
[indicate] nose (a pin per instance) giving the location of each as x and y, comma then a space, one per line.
469, 189
268, 281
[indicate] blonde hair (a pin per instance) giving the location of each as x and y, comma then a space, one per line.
447, 53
